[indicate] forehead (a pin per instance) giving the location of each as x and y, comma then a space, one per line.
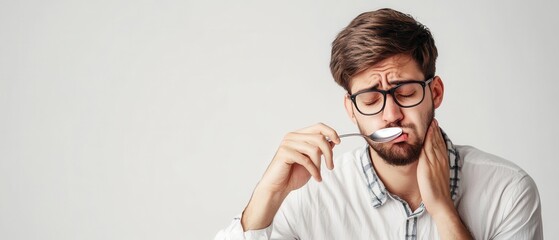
381, 75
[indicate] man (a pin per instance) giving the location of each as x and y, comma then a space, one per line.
418, 186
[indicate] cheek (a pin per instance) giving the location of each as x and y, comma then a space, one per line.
426, 119
421, 119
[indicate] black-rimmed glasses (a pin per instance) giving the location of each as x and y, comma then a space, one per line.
407, 94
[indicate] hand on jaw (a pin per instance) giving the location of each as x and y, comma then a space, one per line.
433, 172
433, 181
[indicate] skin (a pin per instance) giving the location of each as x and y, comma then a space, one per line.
424, 179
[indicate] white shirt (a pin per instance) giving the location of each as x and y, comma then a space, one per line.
494, 197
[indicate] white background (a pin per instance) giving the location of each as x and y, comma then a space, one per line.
155, 119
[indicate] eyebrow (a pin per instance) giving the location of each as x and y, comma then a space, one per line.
374, 87
392, 83
400, 81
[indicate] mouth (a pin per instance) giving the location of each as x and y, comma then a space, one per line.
401, 138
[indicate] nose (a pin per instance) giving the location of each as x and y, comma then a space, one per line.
392, 112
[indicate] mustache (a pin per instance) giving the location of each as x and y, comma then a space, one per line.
400, 125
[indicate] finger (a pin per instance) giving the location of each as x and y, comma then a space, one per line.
295, 157
326, 148
318, 140
310, 151
323, 129
323, 144
439, 139
428, 146
434, 148
439, 144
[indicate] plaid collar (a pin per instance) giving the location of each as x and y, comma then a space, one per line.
379, 192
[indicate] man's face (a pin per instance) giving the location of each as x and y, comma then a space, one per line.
414, 121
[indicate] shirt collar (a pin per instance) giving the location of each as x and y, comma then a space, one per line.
379, 192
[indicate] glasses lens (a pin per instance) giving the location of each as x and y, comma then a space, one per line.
369, 102
409, 94
406, 95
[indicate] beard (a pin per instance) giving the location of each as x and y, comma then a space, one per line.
402, 153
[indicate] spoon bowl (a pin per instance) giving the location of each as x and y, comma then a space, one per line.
386, 134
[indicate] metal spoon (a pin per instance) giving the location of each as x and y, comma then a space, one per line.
380, 136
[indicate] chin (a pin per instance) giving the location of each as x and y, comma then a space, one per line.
398, 154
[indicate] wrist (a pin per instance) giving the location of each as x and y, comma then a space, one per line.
450, 225
444, 211
261, 209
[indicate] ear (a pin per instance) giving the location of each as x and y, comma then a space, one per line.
437, 91
349, 108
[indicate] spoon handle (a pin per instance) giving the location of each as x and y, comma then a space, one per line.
348, 135
351, 135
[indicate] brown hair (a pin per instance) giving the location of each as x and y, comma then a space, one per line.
375, 36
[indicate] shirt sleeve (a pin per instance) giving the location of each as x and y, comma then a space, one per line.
282, 227
522, 217
235, 232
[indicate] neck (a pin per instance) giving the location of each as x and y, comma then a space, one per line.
398, 180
